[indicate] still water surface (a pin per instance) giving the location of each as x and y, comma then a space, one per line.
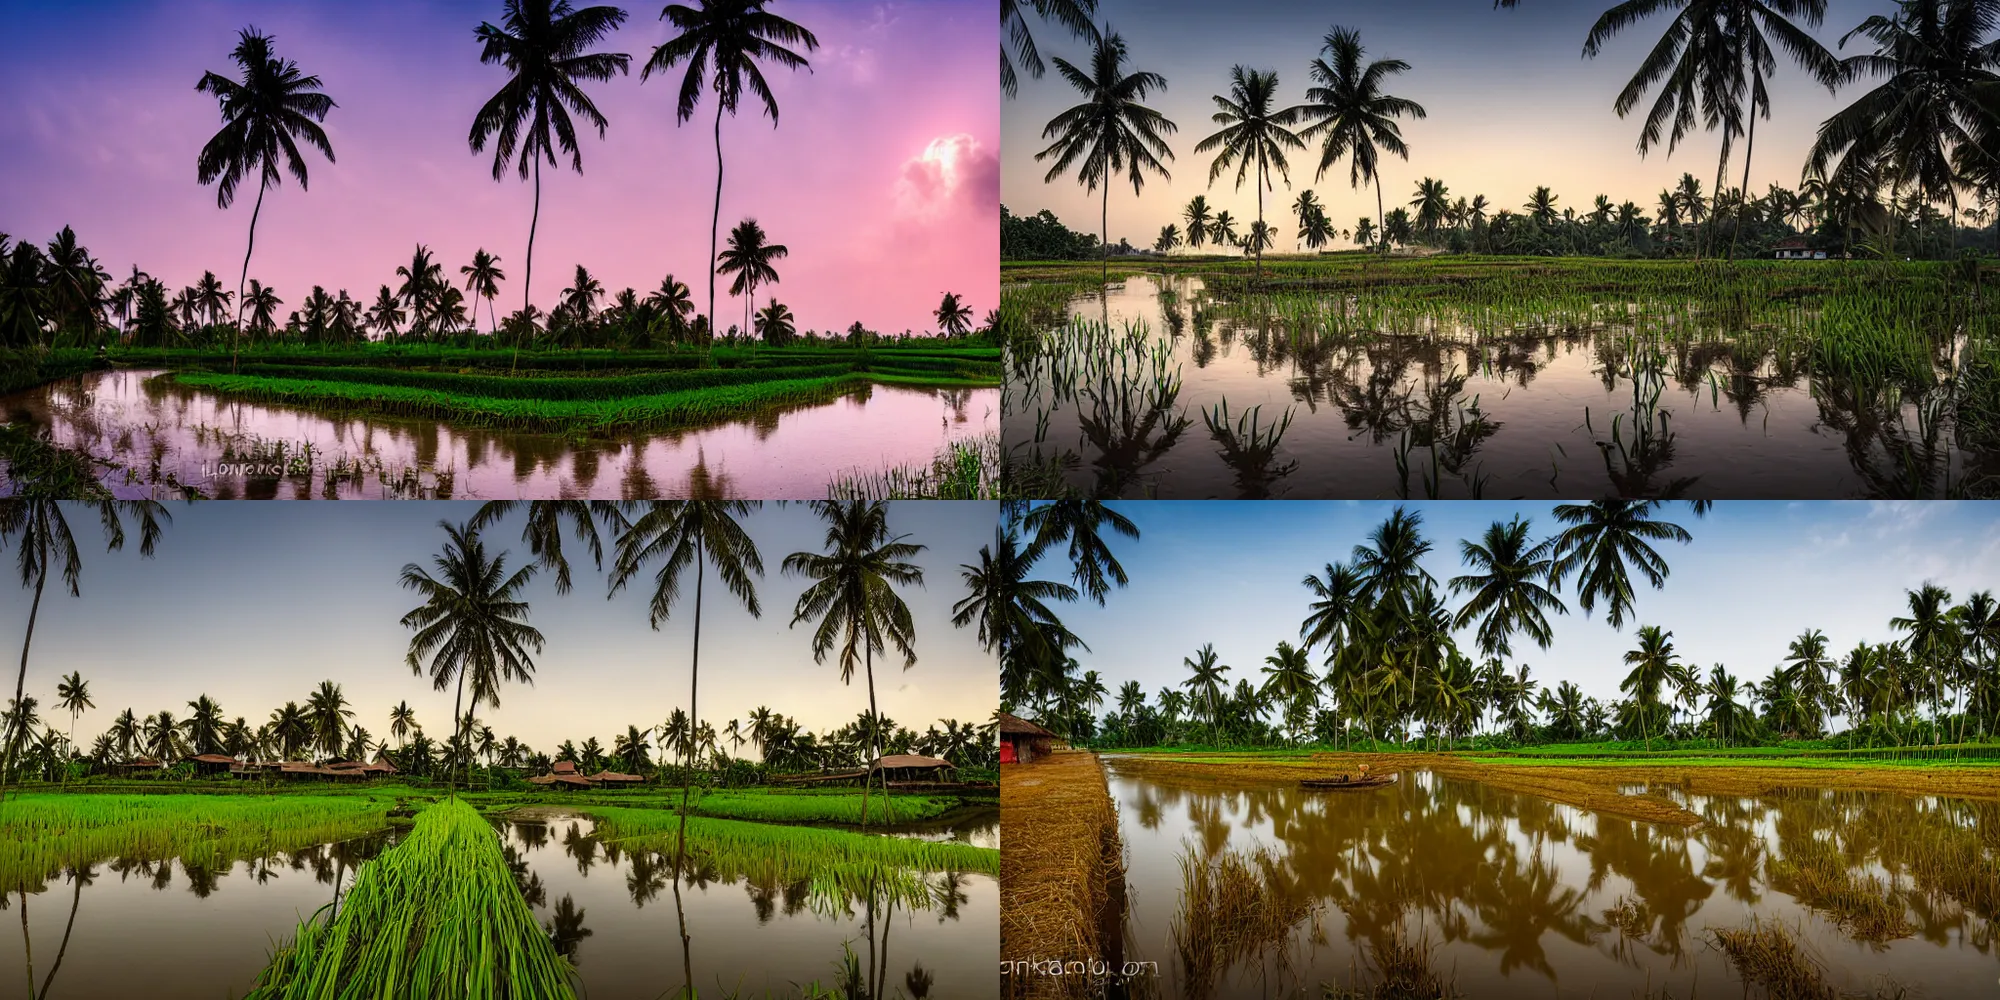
1523, 897
159, 434
167, 931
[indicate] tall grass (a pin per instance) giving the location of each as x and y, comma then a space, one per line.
1235, 906
759, 851
42, 834
1767, 958
781, 807
438, 915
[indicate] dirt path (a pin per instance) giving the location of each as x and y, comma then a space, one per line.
1061, 873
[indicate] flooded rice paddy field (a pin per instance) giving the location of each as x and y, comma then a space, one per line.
1516, 896
119, 928
158, 435
1189, 387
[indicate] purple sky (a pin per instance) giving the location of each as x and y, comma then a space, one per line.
882, 177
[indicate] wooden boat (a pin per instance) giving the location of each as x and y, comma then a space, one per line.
1349, 783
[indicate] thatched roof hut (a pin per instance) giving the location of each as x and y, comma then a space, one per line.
1022, 741
615, 779
212, 763
562, 774
905, 767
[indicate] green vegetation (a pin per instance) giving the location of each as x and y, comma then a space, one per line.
41, 834
809, 807
437, 915
782, 853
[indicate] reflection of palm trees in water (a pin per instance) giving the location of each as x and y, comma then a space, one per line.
1894, 457
78, 877
565, 928
1250, 449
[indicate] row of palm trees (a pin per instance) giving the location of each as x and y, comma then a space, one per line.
1545, 227
1394, 662
65, 291
1931, 127
322, 728
271, 106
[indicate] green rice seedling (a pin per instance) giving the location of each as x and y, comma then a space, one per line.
759, 851
789, 807
41, 834
963, 470
438, 915
563, 388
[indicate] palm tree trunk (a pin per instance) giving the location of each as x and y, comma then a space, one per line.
244, 278
1749, 145
714, 223
687, 746
1715, 199
456, 701
687, 962
875, 739
1260, 213
21, 679
528, 279
75, 900
1381, 240
27, 946
1104, 239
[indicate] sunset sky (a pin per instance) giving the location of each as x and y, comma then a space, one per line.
1511, 104
880, 179
255, 603
1756, 575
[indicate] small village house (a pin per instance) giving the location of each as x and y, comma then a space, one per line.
909, 768
1022, 741
562, 774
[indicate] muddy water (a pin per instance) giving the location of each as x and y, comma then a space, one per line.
1532, 413
1521, 897
166, 931
159, 434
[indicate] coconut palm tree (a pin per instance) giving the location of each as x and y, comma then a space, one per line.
482, 279
266, 113
1110, 131
1204, 683
1072, 14
73, 696
473, 623
1357, 119
1318, 229
1937, 66
671, 301
422, 278
1081, 523
386, 315
774, 324
1288, 678
1603, 537
1255, 135
543, 45
749, 258
402, 720
1433, 205
580, 298
1507, 595
676, 534
1170, 237
38, 527
1222, 232
1306, 207
1814, 669
1131, 698
1196, 216
734, 35
953, 315
204, 725
1933, 643
209, 296
853, 598
1012, 611
1653, 664
327, 713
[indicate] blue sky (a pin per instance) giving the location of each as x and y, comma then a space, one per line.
1511, 104
1756, 574
255, 603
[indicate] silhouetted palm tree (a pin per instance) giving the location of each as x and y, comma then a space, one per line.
1254, 134
1507, 595
749, 258
734, 35
1353, 112
953, 315
1072, 14
265, 114
1197, 217
482, 279
543, 46
1110, 131
472, 624
1602, 537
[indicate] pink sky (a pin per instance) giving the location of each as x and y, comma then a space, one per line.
882, 177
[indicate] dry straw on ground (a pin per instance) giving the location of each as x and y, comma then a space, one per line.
1059, 857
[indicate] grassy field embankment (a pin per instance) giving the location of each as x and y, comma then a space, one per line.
1061, 873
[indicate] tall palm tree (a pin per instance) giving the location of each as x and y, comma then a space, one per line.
1936, 61
1432, 203
749, 258
734, 35
73, 696
1814, 667
473, 622
671, 301
1222, 232
209, 296
1602, 538
204, 725
1254, 134
676, 534
327, 713
1288, 677
1729, 716
1306, 207
402, 719
422, 278
386, 315
853, 598
1081, 523
954, 317
265, 114
1934, 641
1170, 237
1507, 596
1205, 679
482, 279
38, 527
1196, 216
543, 45
1012, 611
1357, 118
1131, 698
1110, 131
124, 732
1072, 14
1653, 664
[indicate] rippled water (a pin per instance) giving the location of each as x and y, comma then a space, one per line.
1445, 412
131, 929
1522, 897
160, 433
